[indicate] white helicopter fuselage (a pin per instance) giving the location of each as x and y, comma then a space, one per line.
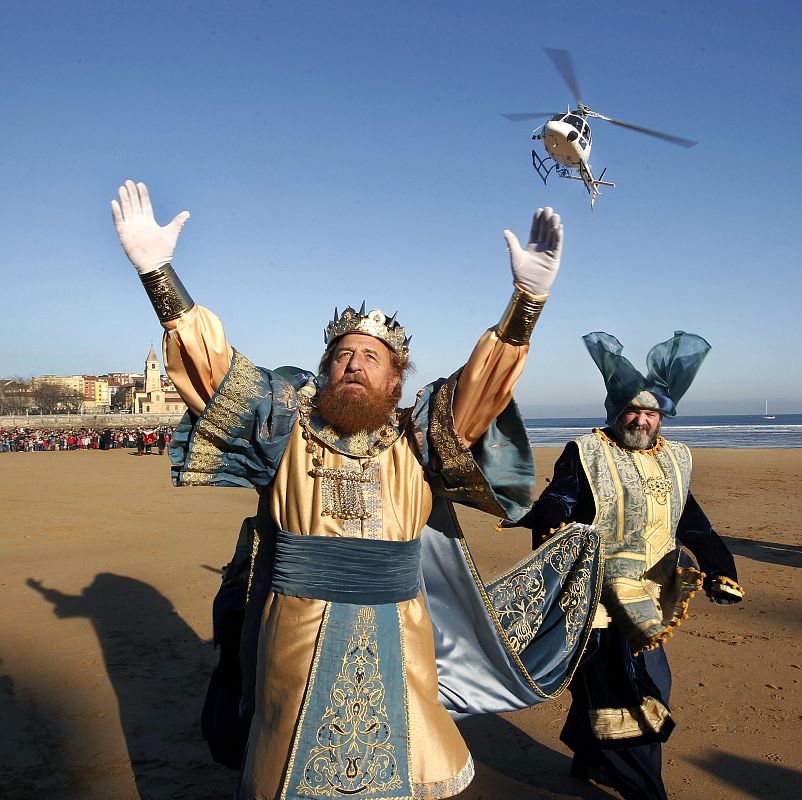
567, 139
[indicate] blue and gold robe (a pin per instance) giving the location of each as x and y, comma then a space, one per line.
349, 697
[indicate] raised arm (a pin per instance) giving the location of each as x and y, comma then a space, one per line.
487, 381
196, 353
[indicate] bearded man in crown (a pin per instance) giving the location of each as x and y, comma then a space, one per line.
359, 618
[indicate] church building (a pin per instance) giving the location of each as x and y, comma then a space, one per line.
158, 395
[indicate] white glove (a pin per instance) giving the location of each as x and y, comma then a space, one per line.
147, 245
535, 268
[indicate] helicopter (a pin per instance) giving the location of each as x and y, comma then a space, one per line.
567, 137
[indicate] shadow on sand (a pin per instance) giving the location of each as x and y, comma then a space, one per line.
784, 555
513, 757
159, 669
754, 778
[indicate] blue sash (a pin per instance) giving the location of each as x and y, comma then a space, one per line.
346, 570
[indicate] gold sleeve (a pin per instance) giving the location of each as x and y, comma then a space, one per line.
485, 386
196, 355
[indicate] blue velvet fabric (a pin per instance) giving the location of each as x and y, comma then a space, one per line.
346, 570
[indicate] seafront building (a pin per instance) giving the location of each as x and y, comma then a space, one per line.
158, 395
148, 392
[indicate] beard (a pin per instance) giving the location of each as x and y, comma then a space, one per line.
634, 436
349, 410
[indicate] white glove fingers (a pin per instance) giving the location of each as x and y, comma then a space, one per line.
513, 245
545, 226
125, 202
534, 232
557, 246
116, 214
133, 194
178, 223
553, 230
144, 199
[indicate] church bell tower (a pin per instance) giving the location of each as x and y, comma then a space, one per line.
153, 381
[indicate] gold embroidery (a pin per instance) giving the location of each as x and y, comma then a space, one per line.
624, 723
226, 411
355, 754
658, 488
252, 567
519, 596
458, 465
519, 600
500, 628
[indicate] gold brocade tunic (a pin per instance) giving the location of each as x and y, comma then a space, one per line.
639, 496
290, 626
399, 501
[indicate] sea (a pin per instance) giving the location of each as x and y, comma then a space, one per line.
785, 430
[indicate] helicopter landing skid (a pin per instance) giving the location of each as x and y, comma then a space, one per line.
545, 166
541, 167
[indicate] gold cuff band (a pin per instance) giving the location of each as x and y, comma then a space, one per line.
169, 297
519, 318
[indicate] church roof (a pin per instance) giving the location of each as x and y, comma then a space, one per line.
152, 355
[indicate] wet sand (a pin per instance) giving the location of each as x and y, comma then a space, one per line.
107, 581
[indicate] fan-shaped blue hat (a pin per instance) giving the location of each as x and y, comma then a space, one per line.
672, 365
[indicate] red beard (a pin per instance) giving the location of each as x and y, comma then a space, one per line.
350, 410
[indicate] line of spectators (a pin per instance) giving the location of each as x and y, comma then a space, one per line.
27, 440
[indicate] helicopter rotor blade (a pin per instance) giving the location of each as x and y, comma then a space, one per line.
666, 137
565, 66
515, 117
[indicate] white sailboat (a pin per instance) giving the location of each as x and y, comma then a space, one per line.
766, 414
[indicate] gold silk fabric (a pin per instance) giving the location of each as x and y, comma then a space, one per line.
290, 625
196, 356
399, 501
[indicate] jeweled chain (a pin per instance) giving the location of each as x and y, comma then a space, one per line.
343, 490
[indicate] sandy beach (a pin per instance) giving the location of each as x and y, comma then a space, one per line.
108, 578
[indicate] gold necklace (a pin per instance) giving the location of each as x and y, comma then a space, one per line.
343, 490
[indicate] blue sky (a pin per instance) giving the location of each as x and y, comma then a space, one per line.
330, 152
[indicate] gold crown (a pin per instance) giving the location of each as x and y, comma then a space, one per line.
373, 323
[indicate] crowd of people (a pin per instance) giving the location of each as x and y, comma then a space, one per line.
29, 440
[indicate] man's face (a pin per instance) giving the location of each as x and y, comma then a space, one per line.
363, 363
363, 387
638, 428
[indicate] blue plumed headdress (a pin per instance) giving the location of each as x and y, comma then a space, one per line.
672, 365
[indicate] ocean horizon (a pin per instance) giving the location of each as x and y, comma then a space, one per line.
733, 430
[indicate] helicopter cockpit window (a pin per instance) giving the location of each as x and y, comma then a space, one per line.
577, 122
